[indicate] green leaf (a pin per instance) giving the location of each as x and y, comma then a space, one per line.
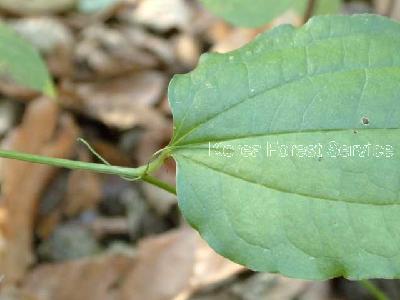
327, 7
246, 14
309, 214
22, 64
259, 12
323, 7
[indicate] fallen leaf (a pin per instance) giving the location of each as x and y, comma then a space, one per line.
274, 287
390, 8
123, 102
106, 52
83, 192
152, 43
232, 39
13, 293
15, 91
187, 50
111, 153
96, 277
159, 15
45, 131
176, 264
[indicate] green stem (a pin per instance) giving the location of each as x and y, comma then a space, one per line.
161, 184
131, 173
373, 290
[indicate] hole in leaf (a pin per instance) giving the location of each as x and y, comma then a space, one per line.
365, 121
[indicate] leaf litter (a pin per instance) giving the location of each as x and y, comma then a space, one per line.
112, 61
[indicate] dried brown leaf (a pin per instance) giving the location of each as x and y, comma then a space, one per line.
390, 8
173, 266
123, 102
83, 192
159, 15
166, 267
45, 131
90, 278
187, 50
104, 52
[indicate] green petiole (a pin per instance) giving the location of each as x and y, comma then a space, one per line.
142, 172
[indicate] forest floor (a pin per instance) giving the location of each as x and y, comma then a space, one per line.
79, 235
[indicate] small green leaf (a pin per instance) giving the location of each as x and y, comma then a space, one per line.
288, 149
256, 13
22, 64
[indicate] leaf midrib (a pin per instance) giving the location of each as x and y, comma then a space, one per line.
311, 197
268, 134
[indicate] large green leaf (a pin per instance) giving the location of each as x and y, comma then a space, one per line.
255, 13
21, 63
310, 215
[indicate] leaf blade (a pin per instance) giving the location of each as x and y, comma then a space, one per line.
21, 63
298, 216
